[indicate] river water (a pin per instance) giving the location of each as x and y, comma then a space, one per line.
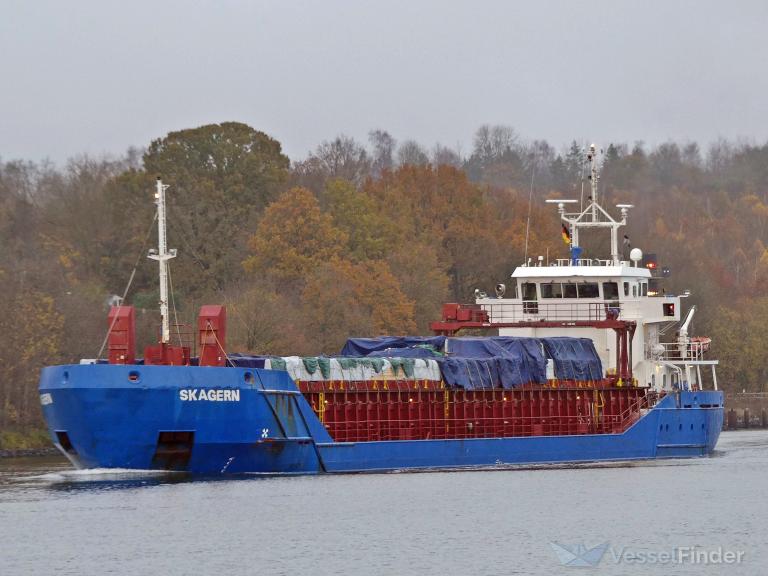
709, 515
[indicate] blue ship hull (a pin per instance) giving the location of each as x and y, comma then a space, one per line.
236, 420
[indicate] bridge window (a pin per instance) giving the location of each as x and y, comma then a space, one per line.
644, 287
626, 288
634, 290
529, 291
589, 290
569, 290
552, 290
610, 291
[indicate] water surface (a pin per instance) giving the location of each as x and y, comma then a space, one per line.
57, 521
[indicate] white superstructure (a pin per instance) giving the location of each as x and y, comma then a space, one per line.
663, 354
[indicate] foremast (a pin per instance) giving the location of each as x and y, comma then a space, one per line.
162, 255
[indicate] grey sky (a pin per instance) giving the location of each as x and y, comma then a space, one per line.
99, 76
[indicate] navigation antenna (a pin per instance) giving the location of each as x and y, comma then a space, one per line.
528, 221
162, 255
581, 200
593, 216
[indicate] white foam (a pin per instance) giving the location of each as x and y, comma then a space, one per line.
91, 474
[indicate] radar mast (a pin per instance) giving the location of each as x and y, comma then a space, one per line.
593, 216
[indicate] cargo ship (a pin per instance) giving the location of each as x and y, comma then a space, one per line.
580, 360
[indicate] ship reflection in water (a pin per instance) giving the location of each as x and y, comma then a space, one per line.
486, 522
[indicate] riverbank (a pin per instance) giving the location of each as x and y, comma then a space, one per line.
19, 443
745, 410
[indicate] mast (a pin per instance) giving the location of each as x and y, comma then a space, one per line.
594, 176
162, 255
594, 215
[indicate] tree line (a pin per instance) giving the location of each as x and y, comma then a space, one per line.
355, 239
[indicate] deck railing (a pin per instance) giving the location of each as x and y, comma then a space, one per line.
549, 310
588, 262
674, 352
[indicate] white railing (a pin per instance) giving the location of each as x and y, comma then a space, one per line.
548, 310
674, 352
586, 262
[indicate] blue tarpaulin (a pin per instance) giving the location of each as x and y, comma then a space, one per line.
478, 373
365, 346
574, 358
497, 362
490, 362
412, 352
243, 361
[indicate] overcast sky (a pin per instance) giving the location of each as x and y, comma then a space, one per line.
100, 76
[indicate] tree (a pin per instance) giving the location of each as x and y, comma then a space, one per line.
309, 173
343, 158
422, 279
719, 161
221, 177
19, 218
89, 247
331, 309
575, 159
383, 151
265, 320
440, 209
444, 156
496, 157
370, 234
377, 288
247, 165
491, 143
32, 336
738, 334
667, 163
342, 299
292, 237
626, 170
411, 152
